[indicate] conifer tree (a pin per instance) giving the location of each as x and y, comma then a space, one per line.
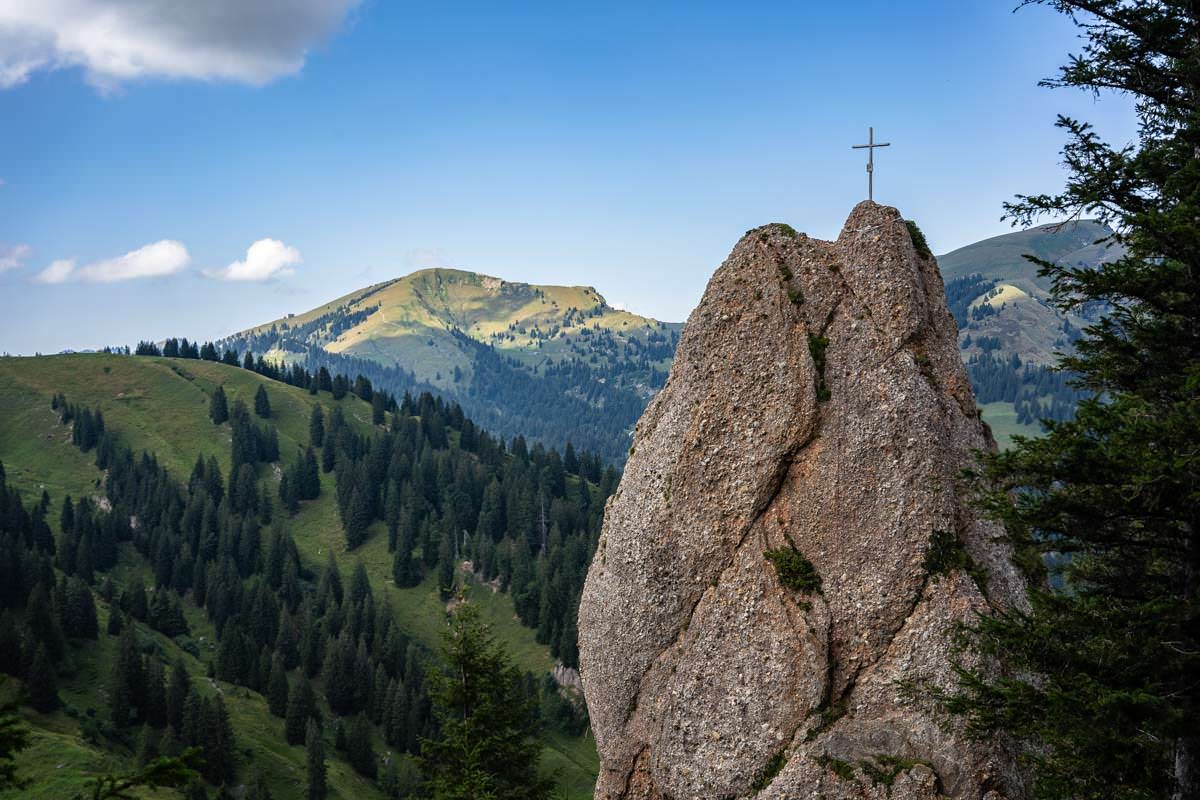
310, 478
1098, 679
446, 565
127, 689
359, 751
218, 742
42, 682
218, 407
315, 760
277, 689
289, 495
357, 519
156, 694
177, 694
485, 746
42, 623
301, 710
360, 584
316, 427
262, 403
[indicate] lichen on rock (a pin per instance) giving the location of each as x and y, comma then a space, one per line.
706, 674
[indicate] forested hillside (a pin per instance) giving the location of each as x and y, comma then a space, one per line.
1010, 331
552, 363
195, 553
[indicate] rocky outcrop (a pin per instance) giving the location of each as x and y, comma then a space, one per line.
817, 414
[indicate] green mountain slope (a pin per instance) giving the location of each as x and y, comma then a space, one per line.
161, 405
555, 363
1001, 258
1009, 332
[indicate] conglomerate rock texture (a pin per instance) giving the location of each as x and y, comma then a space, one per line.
817, 403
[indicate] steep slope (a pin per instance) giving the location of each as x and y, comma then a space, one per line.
1002, 304
1010, 334
520, 358
786, 544
161, 405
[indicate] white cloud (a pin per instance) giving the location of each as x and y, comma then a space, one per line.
13, 257
247, 41
58, 272
265, 259
161, 258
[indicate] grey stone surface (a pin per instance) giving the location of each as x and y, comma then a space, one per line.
699, 667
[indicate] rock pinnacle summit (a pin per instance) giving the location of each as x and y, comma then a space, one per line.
771, 571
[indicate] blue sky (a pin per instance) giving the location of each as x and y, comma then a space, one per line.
619, 145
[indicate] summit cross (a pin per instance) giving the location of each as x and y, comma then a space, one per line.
870, 147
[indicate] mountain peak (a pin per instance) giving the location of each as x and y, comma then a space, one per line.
544, 361
761, 581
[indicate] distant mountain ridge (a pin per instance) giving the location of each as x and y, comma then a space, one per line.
1010, 333
555, 363
559, 364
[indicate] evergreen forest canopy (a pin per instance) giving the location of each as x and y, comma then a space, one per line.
452, 499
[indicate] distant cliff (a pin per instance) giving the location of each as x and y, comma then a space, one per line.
786, 547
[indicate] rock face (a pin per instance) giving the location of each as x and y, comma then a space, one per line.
817, 404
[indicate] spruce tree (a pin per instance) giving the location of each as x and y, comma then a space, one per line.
42, 623
127, 689
218, 407
177, 693
262, 403
301, 710
310, 477
218, 742
357, 519
42, 682
359, 751
485, 745
1098, 677
316, 427
277, 689
315, 759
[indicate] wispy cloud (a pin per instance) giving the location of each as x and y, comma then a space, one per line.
158, 259
58, 272
13, 257
114, 41
265, 259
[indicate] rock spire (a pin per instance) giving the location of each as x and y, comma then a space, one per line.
786, 551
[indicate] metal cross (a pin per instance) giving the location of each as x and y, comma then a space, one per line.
870, 147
